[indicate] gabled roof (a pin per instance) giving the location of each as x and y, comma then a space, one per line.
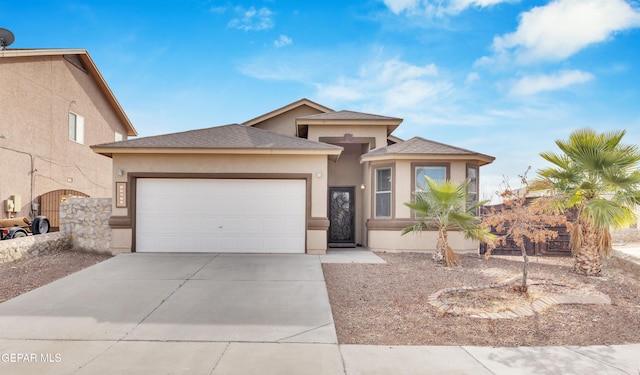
287, 108
233, 138
79, 56
420, 147
343, 117
348, 115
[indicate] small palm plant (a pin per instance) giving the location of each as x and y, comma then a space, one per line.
443, 205
598, 176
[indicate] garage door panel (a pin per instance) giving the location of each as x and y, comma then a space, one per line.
160, 242
198, 215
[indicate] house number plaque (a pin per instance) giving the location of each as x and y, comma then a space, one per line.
121, 194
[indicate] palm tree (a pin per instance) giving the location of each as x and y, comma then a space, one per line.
597, 176
442, 205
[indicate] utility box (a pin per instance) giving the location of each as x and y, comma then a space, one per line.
17, 203
9, 205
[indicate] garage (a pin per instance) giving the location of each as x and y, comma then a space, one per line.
220, 215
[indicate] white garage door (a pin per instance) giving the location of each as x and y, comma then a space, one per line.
209, 215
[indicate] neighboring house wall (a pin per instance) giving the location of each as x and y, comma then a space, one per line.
36, 95
221, 166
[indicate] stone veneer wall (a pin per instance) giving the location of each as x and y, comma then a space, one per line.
86, 222
625, 262
32, 246
626, 235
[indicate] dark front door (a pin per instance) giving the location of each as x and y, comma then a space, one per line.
341, 217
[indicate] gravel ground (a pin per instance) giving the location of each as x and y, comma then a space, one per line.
26, 274
387, 304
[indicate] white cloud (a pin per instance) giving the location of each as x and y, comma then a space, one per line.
392, 84
396, 70
438, 8
563, 27
282, 41
472, 77
549, 82
457, 6
398, 6
339, 92
252, 19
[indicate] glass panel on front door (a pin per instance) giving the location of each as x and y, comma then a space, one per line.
341, 217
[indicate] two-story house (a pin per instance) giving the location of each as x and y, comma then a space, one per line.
54, 104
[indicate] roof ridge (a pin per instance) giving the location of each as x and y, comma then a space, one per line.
443, 144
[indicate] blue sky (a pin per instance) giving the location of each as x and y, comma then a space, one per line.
501, 77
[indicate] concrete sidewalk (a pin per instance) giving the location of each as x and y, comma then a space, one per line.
235, 314
194, 357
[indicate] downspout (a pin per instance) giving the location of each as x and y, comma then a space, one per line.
31, 173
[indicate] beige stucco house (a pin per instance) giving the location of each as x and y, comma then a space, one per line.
299, 179
53, 105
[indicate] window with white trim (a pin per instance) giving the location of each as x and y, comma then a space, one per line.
76, 128
383, 193
474, 186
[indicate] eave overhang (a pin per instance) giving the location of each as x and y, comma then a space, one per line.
477, 158
91, 69
333, 153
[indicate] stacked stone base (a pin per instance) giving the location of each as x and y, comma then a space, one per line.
32, 246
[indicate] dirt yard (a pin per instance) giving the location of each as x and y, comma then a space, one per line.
27, 274
388, 304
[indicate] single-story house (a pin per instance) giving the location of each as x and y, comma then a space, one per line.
299, 179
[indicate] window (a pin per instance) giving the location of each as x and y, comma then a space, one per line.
76, 128
474, 187
383, 192
119, 137
435, 172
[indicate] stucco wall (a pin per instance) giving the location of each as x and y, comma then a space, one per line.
390, 239
286, 122
86, 222
379, 132
37, 94
382, 240
314, 166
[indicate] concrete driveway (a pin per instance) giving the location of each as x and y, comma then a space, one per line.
146, 304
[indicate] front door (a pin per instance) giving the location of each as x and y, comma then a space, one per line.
341, 217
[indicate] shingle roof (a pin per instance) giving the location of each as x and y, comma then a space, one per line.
232, 136
418, 145
347, 115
